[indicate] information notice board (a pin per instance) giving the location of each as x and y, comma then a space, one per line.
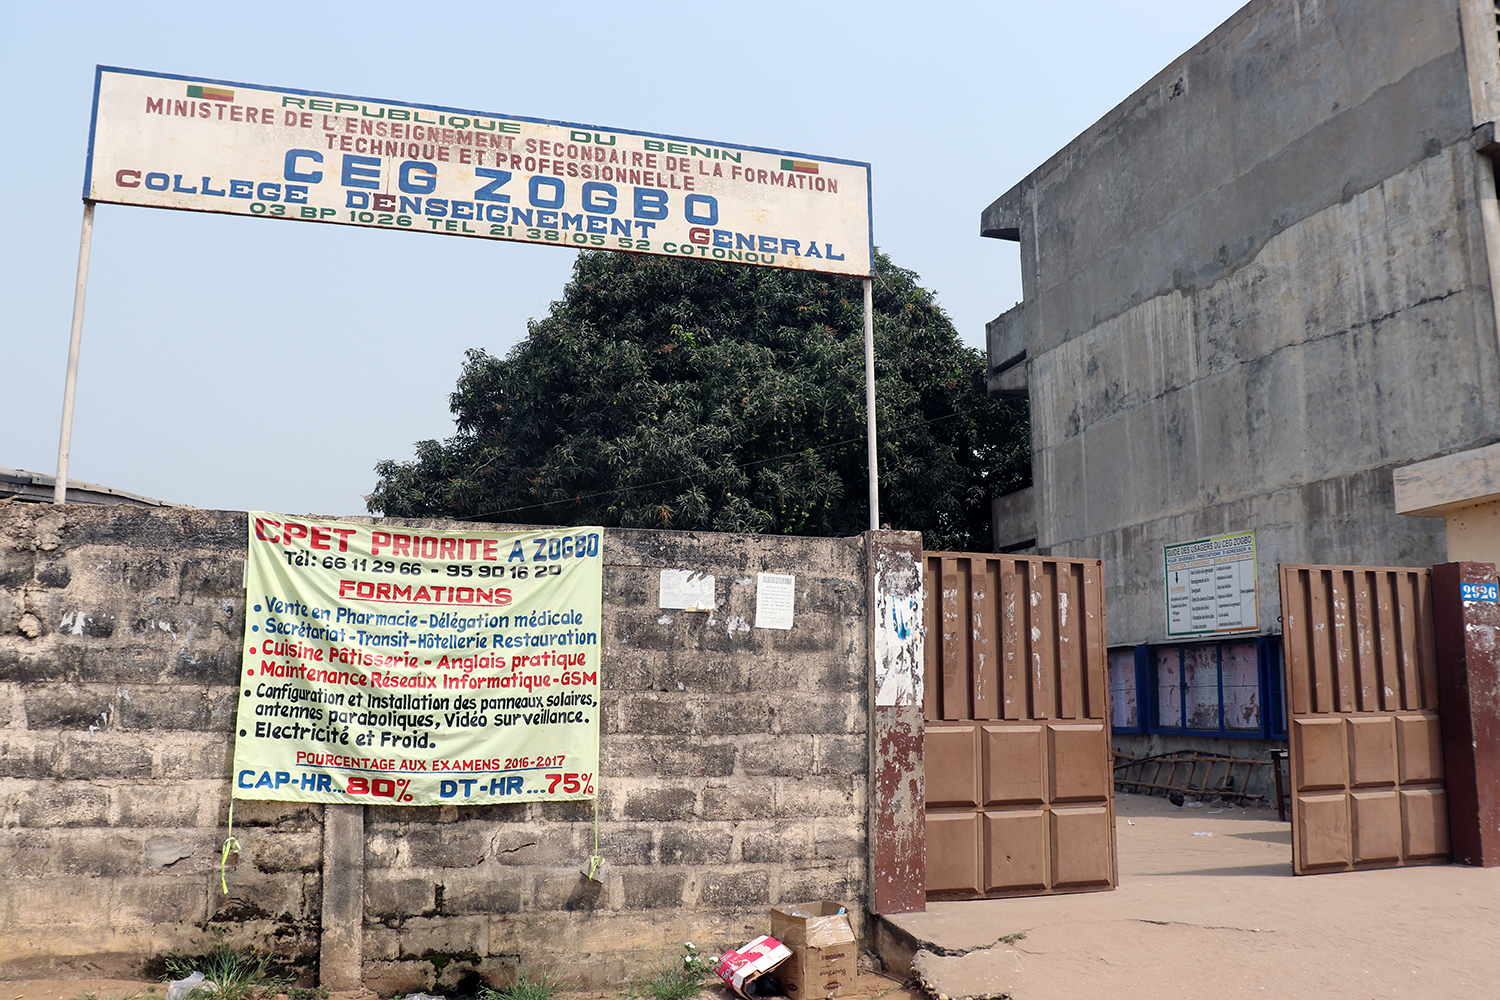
413, 666
1211, 585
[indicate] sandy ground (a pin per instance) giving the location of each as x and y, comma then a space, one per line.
1207, 906
869, 987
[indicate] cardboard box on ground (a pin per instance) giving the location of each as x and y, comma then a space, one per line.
825, 958
744, 968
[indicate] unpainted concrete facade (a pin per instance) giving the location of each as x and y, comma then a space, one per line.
734, 774
1254, 289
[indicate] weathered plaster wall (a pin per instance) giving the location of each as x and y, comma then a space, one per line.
1253, 289
733, 775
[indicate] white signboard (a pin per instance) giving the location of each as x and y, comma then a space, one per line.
1211, 585
167, 141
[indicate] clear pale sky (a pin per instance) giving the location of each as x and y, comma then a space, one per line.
254, 364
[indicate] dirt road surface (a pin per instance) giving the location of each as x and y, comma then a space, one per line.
1208, 907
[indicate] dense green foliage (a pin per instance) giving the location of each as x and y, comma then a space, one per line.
674, 393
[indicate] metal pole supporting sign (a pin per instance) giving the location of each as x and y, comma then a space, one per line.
870, 402
60, 490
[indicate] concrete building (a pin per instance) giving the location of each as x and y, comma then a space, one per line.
1259, 296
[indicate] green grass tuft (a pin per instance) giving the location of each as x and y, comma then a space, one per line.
237, 973
528, 986
678, 978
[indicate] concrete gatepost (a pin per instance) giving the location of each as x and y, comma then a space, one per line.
1466, 619
341, 944
897, 825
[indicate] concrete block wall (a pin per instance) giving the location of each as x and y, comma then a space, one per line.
1255, 288
733, 774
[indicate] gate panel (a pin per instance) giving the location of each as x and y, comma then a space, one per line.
1366, 756
1020, 796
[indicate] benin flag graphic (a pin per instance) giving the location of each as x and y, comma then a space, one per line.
799, 166
211, 93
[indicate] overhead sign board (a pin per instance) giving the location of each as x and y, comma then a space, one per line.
1210, 585
166, 141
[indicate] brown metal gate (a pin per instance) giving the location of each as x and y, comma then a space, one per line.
1020, 799
1366, 749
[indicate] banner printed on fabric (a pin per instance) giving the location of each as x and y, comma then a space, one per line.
166, 141
412, 666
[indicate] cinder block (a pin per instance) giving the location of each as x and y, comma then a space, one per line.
645, 629
53, 804
69, 706
160, 899
683, 844
735, 713
667, 756
661, 804
382, 850
841, 881
841, 754
653, 890
156, 804
652, 713
158, 708
285, 850
190, 756
567, 889
625, 668
446, 846
99, 855
777, 755
625, 844
286, 815
729, 889
118, 755
399, 898
776, 843
840, 838
16, 567
289, 897
745, 798
382, 945
535, 844
27, 854
820, 795
481, 891
421, 937
30, 755
807, 712
206, 665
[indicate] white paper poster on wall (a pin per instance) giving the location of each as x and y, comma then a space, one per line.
775, 598
1210, 585
685, 590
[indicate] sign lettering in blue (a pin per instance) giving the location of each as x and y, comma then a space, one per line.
1479, 592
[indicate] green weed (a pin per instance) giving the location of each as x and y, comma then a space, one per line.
237, 973
528, 986
678, 978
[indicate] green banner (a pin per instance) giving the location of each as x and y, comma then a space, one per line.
411, 666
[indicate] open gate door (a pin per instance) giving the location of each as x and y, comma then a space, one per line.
1366, 755
1020, 789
